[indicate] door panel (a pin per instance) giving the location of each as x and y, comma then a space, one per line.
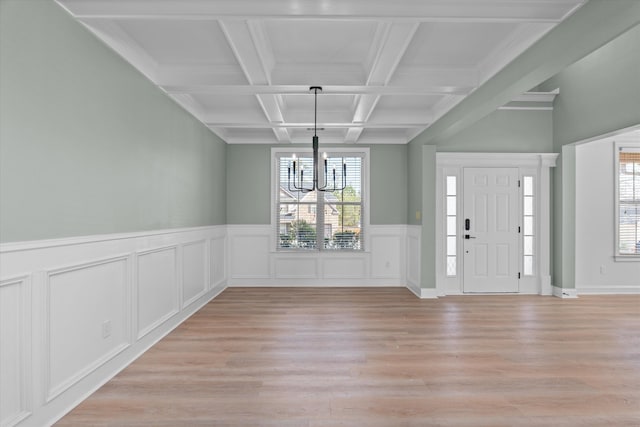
490, 254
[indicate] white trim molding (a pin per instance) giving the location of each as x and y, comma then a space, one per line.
15, 353
565, 292
609, 290
536, 165
75, 307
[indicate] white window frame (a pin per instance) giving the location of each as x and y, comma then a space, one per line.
277, 152
621, 146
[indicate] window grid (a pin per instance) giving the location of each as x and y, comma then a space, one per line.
528, 222
332, 221
629, 202
452, 225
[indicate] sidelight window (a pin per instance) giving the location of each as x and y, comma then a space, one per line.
528, 221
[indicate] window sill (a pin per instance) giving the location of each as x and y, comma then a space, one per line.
626, 258
315, 252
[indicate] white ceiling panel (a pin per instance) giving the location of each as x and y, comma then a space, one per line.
388, 69
320, 42
411, 102
181, 42
455, 44
227, 102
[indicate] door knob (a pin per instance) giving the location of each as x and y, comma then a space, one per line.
467, 237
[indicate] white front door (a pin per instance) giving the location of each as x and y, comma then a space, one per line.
490, 230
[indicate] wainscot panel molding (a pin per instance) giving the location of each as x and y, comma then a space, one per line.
74, 348
254, 260
195, 271
15, 351
157, 287
412, 259
74, 312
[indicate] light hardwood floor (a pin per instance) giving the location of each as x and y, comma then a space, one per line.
381, 357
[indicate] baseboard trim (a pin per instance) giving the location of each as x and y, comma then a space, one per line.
565, 293
423, 293
609, 290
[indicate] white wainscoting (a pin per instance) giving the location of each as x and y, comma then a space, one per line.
255, 262
413, 258
74, 312
157, 288
15, 350
79, 300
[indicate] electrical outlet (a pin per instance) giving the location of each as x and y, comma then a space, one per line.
106, 329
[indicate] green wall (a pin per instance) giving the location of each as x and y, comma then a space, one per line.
504, 131
87, 144
249, 184
598, 94
249, 180
388, 192
414, 183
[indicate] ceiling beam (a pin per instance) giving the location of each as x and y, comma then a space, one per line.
395, 41
309, 125
423, 11
241, 36
304, 90
592, 26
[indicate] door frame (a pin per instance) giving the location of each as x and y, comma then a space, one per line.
529, 164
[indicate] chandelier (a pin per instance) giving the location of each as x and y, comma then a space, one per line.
298, 173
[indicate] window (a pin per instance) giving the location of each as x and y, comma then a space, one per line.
317, 220
628, 199
527, 229
452, 225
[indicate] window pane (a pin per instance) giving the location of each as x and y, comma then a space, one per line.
629, 228
528, 186
451, 186
335, 166
451, 266
528, 265
451, 205
528, 245
528, 205
451, 225
451, 246
528, 226
345, 222
298, 234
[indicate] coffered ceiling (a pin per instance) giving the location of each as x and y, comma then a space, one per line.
389, 69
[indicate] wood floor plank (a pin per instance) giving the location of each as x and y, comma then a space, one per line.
314, 357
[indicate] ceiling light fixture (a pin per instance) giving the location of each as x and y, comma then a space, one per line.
298, 178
